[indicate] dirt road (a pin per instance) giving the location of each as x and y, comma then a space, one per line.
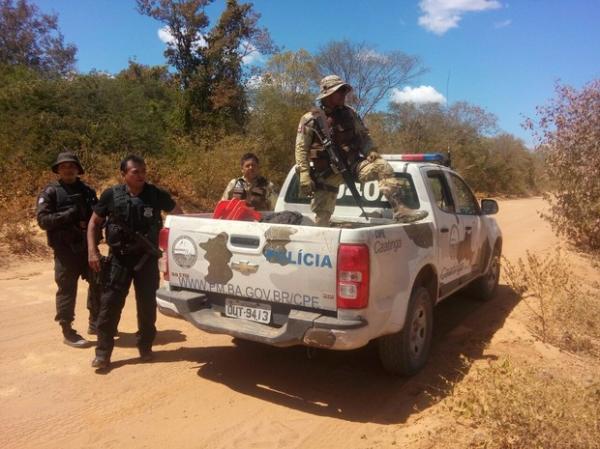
203, 391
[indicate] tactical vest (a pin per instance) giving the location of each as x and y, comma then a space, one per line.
71, 235
341, 127
256, 196
134, 214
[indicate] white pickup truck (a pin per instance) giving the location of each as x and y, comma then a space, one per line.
336, 287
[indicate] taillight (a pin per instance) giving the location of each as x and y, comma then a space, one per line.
353, 277
163, 244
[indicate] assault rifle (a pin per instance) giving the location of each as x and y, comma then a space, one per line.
339, 165
137, 240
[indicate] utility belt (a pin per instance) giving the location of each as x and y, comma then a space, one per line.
125, 248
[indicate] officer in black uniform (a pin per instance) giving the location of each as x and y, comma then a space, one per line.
63, 211
131, 208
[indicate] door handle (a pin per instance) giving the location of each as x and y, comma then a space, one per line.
244, 241
444, 230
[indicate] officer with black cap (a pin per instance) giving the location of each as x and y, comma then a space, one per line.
63, 210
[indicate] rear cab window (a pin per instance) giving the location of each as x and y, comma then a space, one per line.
369, 191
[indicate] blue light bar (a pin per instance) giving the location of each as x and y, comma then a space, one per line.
436, 158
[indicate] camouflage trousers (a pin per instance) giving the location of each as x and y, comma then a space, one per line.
323, 201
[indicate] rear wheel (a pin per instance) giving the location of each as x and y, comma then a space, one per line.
406, 351
484, 288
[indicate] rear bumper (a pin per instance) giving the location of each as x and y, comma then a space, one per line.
301, 327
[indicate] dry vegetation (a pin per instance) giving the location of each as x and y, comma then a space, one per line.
513, 405
564, 308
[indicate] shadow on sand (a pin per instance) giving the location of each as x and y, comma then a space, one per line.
163, 337
352, 385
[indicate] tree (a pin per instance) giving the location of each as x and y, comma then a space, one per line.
33, 40
372, 74
287, 90
293, 74
210, 62
186, 22
493, 164
567, 131
235, 36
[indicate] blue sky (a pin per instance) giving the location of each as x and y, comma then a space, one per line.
504, 56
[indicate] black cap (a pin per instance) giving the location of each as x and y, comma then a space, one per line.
67, 157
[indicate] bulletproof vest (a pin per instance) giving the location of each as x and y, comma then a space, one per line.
132, 214
256, 196
65, 201
341, 125
71, 235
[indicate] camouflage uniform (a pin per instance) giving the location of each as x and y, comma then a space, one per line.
260, 193
347, 130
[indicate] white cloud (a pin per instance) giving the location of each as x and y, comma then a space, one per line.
418, 95
164, 34
441, 15
502, 24
254, 82
250, 54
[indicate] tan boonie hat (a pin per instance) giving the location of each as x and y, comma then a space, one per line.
67, 157
330, 84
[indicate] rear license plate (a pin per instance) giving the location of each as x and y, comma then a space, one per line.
248, 311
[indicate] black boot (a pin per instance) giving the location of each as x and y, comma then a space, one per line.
72, 338
101, 363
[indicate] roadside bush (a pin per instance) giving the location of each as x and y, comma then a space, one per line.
565, 311
515, 406
568, 133
21, 183
197, 177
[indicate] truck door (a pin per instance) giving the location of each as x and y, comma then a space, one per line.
448, 229
467, 249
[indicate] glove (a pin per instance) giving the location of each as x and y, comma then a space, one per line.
373, 156
307, 185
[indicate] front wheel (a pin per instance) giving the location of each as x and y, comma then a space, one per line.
406, 351
484, 288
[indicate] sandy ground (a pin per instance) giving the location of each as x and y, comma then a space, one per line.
203, 391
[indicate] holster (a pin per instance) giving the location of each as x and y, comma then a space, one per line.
118, 276
100, 278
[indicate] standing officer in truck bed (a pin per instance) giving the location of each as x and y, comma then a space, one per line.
341, 124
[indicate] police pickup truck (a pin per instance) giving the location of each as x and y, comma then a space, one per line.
337, 287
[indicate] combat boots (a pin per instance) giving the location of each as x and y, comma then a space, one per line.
395, 196
72, 338
101, 363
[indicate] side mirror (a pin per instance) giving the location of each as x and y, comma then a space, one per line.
489, 207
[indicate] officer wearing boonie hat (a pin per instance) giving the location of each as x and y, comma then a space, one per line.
63, 210
330, 84
342, 124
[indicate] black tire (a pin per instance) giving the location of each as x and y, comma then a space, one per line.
484, 288
406, 351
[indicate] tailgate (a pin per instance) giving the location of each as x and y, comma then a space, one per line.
276, 263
